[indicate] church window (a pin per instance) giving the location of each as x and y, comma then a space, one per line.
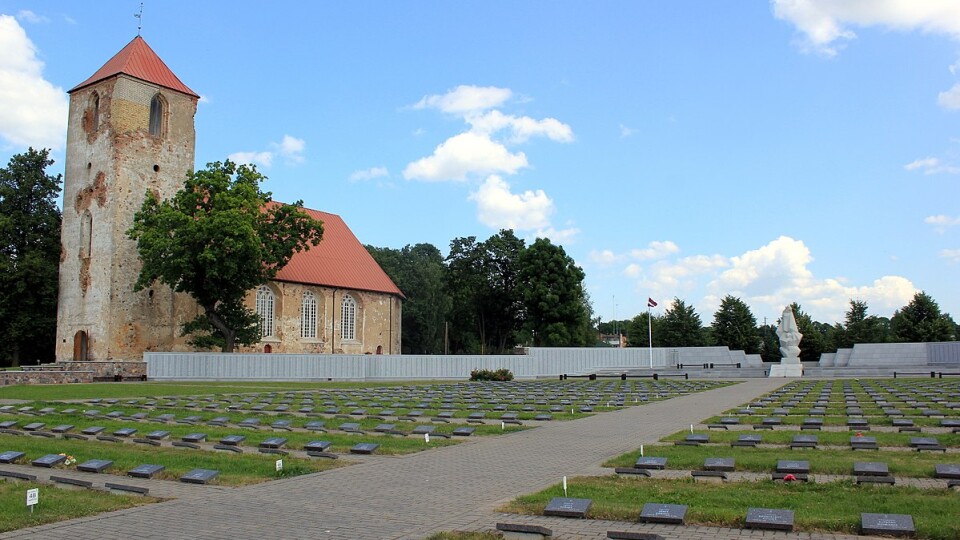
86, 234
348, 318
308, 316
156, 115
95, 112
265, 310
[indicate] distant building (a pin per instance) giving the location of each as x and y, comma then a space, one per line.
131, 129
614, 340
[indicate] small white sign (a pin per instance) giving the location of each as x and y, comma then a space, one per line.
426, 438
279, 465
564, 486
33, 497
641, 450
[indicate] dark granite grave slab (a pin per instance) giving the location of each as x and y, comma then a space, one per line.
124, 432
543, 417
424, 430
11, 456
200, 476
194, 437
804, 441
49, 460
656, 463
145, 471
95, 465
7, 424
317, 446
747, 440
789, 466
249, 422
385, 428
273, 442
62, 428
923, 441
34, 426
775, 519
281, 424
863, 443
870, 468
887, 524
232, 440
364, 448
315, 426
158, 435
697, 438
568, 507
92, 430
351, 427
719, 464
947, 470
464, 431
218, 421
672, 514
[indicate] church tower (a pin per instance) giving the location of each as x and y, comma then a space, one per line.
131, 129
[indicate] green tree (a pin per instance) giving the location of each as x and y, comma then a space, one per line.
555, 303
217, 238
681, 326
769, 343
735, 326
813, 343
921, 321
29, 257
638, 333
419, 272
858, 327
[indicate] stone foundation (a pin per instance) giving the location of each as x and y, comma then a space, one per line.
35, 376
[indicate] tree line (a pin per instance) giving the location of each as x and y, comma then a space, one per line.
488, 297
735, 326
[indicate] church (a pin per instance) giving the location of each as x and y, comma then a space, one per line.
130, 130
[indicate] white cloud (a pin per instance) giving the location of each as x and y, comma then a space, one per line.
290, 148
825, 23
205, 99
369, 174
941, 222
950, 99
932, 165
252, 158
655, 250
33, 111
604, 257
951, 255
466, 99
558, 236
626, 132
499, 208
463, 155
520, 128
26, 15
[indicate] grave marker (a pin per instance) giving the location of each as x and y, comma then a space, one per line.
568, 507
887, 524
673, 514
769, 519
200, 476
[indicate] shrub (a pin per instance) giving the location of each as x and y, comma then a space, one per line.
501, 374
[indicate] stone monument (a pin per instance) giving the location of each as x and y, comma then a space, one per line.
789, 335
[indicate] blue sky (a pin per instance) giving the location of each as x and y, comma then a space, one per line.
794, 150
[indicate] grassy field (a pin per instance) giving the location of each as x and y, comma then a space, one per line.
833, 507
56, 504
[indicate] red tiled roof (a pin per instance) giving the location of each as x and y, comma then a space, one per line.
339, 261
138, 60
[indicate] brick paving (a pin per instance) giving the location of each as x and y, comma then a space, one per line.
443, 489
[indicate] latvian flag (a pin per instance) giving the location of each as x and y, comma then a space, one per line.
651, 303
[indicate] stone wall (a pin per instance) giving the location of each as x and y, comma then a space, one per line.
8, 378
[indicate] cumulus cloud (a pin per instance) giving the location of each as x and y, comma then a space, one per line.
941, 222
26, 15
463, 155
950, 99
500, 208
369, 174
33, 111
766, 278
289, 148
466, 99
626, 131
951, 255
932, 165
519, 128
655, 250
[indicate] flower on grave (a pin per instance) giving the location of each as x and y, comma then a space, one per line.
69, 460
859, 434
789, 478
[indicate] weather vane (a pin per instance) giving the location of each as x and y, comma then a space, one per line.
139, 17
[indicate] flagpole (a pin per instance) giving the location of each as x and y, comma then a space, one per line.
650, 333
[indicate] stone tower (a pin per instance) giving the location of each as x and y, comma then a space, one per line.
131, 129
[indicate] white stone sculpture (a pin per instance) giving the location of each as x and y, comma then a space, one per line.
790, 336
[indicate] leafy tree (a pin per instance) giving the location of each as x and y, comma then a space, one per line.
29, 257
921, 321
769, 343
859, 327
813, 343
556, 311
216, 239
638, 333
502, 307
681, 326
735, 326
464, 281
419, 272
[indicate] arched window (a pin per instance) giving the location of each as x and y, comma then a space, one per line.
156, 115
94, 111
81, 343
308, 315
348, 318
265, 311
86, 234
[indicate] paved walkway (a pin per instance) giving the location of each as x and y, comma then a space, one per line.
451, 488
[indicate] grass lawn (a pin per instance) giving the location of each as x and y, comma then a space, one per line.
833, 507
56, 504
